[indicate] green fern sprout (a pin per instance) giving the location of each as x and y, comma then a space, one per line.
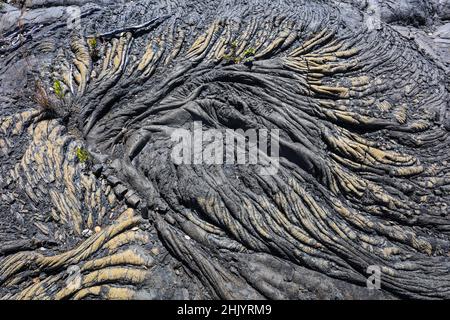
93, 47
82, 154
58, 89
92, 42
245, 57
249, 52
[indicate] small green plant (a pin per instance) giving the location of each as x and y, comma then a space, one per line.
249, 52
248, 55
227, 57
58, 89
245, 57
231, 56
93, 47
92, 42
82, 154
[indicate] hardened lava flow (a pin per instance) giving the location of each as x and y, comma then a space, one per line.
92, 205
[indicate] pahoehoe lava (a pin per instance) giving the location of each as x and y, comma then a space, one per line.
364, 175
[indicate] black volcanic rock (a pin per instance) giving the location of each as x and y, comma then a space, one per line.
96, 95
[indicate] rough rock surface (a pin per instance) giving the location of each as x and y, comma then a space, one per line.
92, 207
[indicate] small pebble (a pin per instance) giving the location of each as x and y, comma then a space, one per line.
86, 233
97, 229
155, 251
